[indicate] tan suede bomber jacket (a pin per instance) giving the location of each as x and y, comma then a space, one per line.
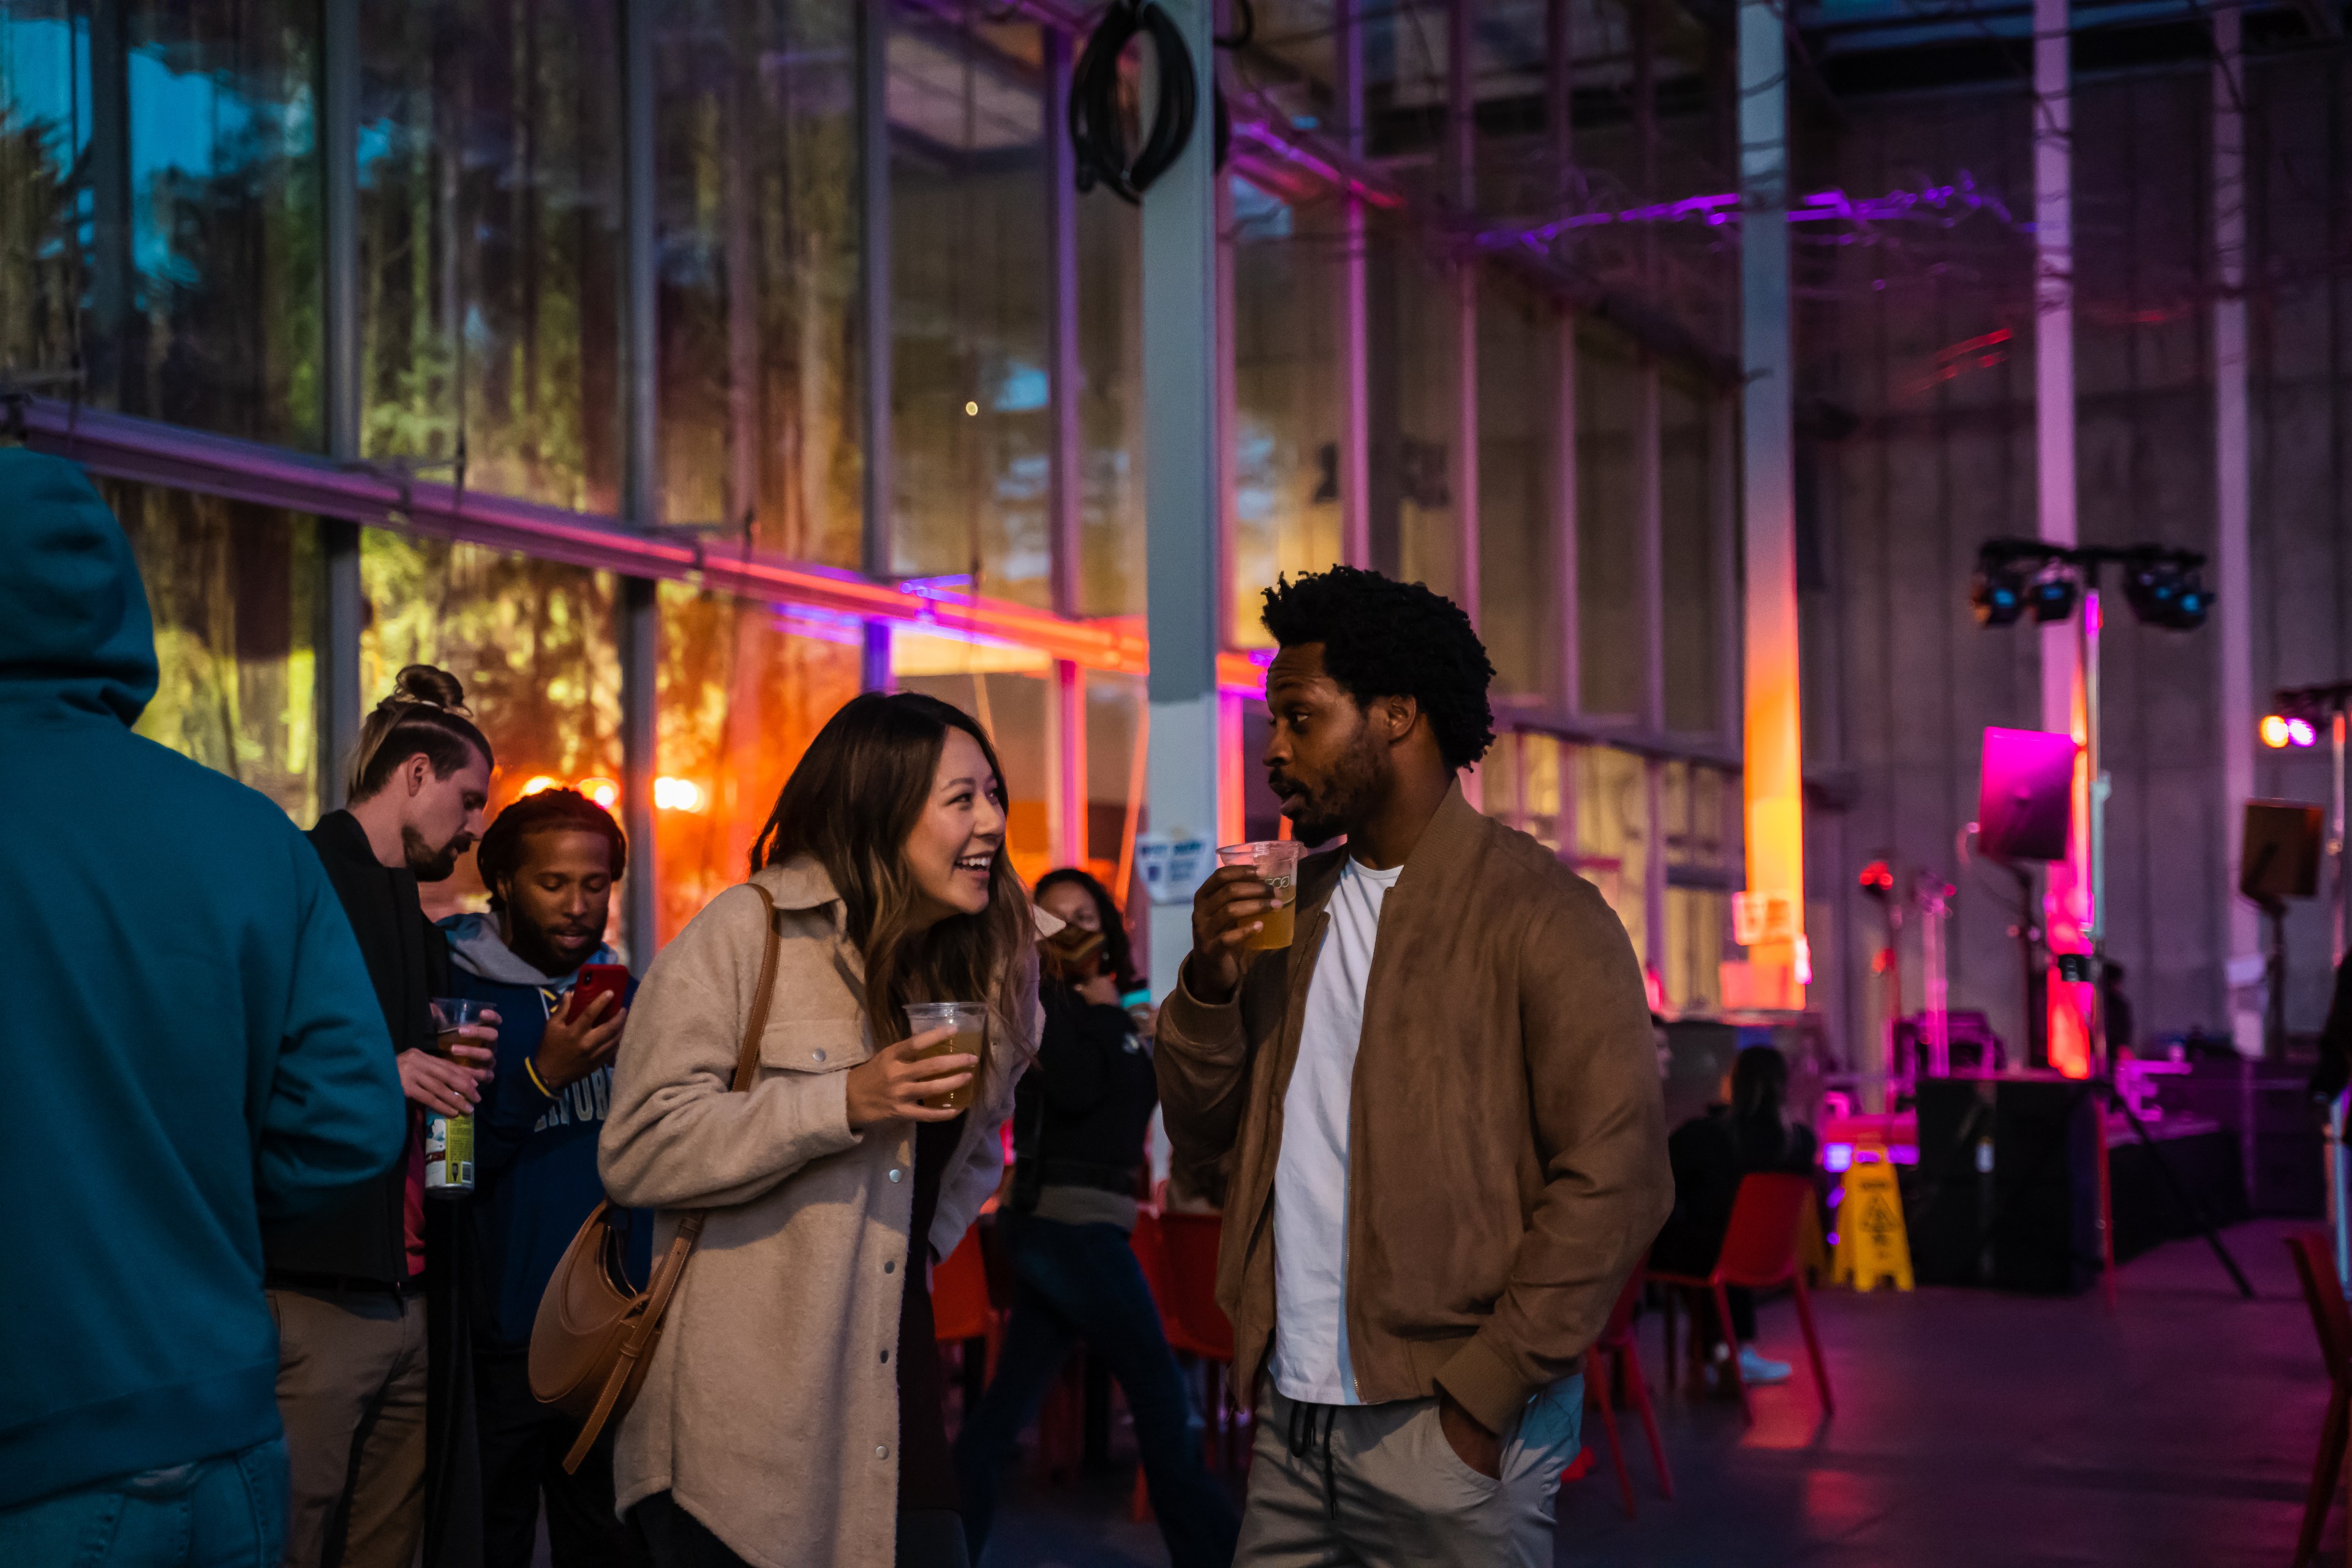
1506, 1151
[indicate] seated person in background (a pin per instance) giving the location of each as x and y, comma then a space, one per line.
1078, 1125
1710, 1154
550, 861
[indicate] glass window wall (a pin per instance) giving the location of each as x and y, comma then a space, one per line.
234, 592
1287, 399
1691, 563
1607, 528
1613, 835
491, 250
759, 231
533, 642
743, 687
1517, 608
1110, 407
971, 420
160, 220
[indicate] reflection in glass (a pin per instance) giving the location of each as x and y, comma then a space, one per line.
969, 290
232, 588
490, 244
533, 641
1517, 610
159, 210
1110, 405
1286, 409
1412, 384
760, 350
1607, 528
742, 689
1614, 836
1686, 518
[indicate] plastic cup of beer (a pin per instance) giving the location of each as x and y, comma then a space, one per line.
451, 1013
1276, 861
970, 1022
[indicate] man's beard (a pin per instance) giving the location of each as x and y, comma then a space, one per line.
428, 864
1345, 799
544, 949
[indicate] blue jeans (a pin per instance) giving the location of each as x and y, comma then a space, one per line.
1082, 1281
228, 1512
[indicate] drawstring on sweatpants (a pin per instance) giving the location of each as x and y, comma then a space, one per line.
1302, 1438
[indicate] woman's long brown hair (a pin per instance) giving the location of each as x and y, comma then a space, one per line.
851, 803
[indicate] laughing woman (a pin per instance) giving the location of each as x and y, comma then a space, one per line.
791, 1417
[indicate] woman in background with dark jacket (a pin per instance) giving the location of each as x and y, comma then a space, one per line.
1078, 1131
1711, 1154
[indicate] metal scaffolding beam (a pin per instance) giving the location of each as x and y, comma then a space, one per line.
639, 628
341, 702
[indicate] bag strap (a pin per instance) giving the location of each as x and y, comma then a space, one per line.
689, 1230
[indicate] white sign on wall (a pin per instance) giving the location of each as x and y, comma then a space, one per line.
1173, 865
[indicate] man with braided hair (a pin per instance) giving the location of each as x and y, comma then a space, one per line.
1440, 1102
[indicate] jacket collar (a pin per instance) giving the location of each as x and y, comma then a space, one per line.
801, 883
339, 833
1442, 845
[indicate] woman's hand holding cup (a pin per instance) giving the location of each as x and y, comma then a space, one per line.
892, 1084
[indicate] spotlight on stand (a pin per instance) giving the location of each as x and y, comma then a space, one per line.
1998, 590
2166, 588
2052, 592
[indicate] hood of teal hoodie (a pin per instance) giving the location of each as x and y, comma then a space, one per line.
75, 633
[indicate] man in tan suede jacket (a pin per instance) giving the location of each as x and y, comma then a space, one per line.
1439, 1106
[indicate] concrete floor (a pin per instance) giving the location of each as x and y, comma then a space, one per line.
1974, 1430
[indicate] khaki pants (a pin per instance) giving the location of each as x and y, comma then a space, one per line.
351, 1389
1380, 1487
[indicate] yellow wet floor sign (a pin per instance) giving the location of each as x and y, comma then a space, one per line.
1871, 1242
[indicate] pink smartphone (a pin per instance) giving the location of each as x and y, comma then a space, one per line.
597, 979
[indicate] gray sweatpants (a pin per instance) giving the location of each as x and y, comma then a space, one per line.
1377, 1486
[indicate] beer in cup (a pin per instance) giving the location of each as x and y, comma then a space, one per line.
1276, 861
449, 1140
970, 1022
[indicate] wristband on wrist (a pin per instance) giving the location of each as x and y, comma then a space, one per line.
537, 1082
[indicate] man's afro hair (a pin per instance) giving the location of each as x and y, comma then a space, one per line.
1385, 638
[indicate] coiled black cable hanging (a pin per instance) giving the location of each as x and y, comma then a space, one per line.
1094, 129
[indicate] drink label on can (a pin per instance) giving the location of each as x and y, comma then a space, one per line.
449, 1154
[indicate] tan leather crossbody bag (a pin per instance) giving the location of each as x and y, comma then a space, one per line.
595, 1336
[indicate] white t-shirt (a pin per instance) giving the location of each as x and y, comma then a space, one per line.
1310, 1174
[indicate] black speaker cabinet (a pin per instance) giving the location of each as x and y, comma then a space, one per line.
2007, 1185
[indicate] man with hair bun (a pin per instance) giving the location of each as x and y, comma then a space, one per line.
550, 861
371, 1296
1440, 1101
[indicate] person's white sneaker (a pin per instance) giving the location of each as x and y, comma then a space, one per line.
1759, 1371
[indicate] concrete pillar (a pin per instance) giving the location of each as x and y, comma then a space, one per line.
2233, 611
1181, 500
1773, 782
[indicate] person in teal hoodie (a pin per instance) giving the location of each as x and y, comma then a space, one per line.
193, 1048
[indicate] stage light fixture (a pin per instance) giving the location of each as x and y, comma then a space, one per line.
2189, 605
2052, 592
1998, 591
2275, 734
2299, 732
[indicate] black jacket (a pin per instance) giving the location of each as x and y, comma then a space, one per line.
1079, 1119
364, 1235
361, 1235
1710, 1154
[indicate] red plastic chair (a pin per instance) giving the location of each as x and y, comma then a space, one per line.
1759, 1253
1196, 1325
1616, 1345
2331, 1319
961, 1308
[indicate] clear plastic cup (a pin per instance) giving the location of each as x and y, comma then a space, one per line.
1276, 861
970, 1022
